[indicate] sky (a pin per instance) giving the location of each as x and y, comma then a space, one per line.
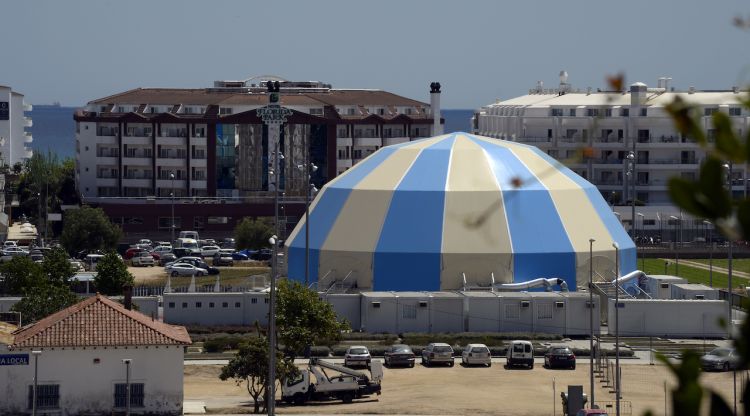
480, 51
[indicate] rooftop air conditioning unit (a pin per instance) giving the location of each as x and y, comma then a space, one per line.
700, 297
525, 303
376, 304
560, 304
422, 303
665, 285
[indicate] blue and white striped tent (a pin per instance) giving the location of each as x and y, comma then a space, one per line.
433, 213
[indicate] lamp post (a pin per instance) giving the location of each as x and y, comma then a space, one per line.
617, 328
729, 257
171, 222
631, 174
36, 354
310, 189
273, 115
676, 244
127, 362
591, 321
710, 256
643, 228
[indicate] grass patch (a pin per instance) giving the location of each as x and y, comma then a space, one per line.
230, 276
740, 265
692, 274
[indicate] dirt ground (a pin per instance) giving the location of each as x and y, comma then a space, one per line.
460, 391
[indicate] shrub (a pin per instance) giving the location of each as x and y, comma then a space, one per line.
320, 351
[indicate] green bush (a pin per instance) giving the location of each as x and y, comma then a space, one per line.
463, 338
320, 351
221, 344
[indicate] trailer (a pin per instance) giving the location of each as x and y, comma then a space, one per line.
314, 383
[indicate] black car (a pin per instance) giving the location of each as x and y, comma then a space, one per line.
399, 354
560, 357
263, 254
166, 258
223, 259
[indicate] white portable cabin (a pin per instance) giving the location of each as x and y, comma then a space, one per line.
660, 286
347, 306
446, 312
395, 312
481, 312
668, 318
216, 308
577, 309
694, 291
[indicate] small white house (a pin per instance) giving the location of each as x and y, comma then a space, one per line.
83, 355
694, 291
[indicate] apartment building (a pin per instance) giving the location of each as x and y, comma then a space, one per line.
205, 152
563, 121
14, 138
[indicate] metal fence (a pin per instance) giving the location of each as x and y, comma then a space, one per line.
159, 290
739, 301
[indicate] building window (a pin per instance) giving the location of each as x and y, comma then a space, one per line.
184, 305
225, 110
556, 112
224, 304
409, 312
592, 112
512, 312
136, 395
350, 111
265, 300
709, 111
164, 223
316, 111
218, 220
644, 112
47, 396
625, 112
171, 305
254, 300
237, 304
198, 304
607, 112
735, 111
210, 304
544, 311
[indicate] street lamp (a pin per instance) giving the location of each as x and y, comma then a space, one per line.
707, 223
171, 225
631, 174
676, 244
617, 328
36, 354
591, 321
643, 228
127, 362
310, 189
728, 166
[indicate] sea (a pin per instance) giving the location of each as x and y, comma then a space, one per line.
54, 128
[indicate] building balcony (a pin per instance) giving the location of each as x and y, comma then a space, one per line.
343, 163
27, 106
27, 122
136, 183
133, 161
198, 184
107, 131
167, 184
170, 162
106, 181
368, 141
607, 162
534, 140
343, 141
173, 141
199, 163
27, 137
112, 161
141, 141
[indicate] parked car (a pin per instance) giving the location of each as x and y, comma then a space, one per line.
161, 249
209, 242
560, 356
185, 269
437, 352
209, 251
145, 242
223, 258
186, 259
12, 251
77, 265
142, 259
239, 256
197, 262
722, 359
132, 251
476, 354
167, 258
263, 254
398, 354
520, 353
227, 243
10, 243
357, 355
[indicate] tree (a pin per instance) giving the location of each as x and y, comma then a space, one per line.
57, 268
250, 366
43, 301
21, 276
302, 318
89, 229
112, 275
252, 233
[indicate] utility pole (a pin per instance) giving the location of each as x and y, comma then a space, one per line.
591, 321
617, 328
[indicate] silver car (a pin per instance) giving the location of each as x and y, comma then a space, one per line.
357, 355
185, 269
721, 359
437, 352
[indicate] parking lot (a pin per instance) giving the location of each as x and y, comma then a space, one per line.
459, 390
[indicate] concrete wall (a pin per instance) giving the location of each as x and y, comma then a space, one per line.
87, 386
668, 318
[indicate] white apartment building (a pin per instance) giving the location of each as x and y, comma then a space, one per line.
138, 149
14, 138
564, 121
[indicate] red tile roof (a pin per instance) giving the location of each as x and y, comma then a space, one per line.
98, 322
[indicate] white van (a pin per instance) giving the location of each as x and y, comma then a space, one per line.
91, 261
520, 353
189, 245
189, 234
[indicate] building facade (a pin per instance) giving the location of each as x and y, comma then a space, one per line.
14, 138
205, 153
86, 356
563, 121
